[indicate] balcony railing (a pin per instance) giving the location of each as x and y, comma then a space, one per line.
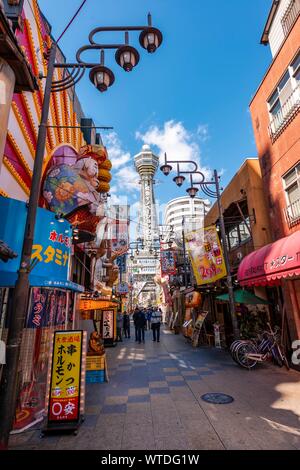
292, 213
290, 16
286, 113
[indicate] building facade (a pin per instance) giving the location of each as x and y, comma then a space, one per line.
76, 174
276, 122
246, 225
186, 212
15, 72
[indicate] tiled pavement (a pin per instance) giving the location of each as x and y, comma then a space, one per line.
153, 401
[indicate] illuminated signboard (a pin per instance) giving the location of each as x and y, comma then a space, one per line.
66, 392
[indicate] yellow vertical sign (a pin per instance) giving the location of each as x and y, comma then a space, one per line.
206, 255
64, 402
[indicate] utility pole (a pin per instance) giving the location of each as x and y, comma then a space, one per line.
9, 381
226, 258
184, 254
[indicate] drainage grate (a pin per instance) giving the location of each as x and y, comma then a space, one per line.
217, 398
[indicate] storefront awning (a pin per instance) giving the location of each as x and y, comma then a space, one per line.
243, 297
273, 262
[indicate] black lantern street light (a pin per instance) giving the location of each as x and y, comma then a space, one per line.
102, 78
212, 190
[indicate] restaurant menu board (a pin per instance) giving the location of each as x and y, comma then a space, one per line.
65, 383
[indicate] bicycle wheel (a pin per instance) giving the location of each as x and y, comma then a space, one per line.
279, 357
286, 362
235, 345
241, 354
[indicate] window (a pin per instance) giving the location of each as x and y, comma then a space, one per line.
280, 95
239, 233
290, 15
291, 183
233, 237
285, 99
244, 231
295, 69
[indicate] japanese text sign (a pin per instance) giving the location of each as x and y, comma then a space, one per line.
108, 324
64, 401
167, 262
206, 255
51, 244
119, 229
122, 288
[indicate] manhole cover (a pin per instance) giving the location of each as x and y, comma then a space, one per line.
217, 398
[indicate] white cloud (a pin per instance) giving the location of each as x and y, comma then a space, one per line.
127, 179
116, 154
178, 142
116, 199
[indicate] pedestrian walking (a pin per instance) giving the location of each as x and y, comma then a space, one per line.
126, 325
134, 317
119, 325
155, 324
140, 325
149, 315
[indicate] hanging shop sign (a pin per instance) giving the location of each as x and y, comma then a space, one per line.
121, 263
108, 324
119, 229
122, 288
91, 304
66, 392
206, 255
51, 245
168, 262
47, 307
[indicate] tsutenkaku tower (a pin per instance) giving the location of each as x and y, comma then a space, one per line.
146, 164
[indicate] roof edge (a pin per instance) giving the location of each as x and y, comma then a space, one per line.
265, 36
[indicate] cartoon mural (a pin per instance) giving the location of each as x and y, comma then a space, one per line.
74, 189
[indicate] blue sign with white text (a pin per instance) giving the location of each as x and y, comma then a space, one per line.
51, 246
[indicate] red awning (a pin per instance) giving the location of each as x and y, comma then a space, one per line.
271, 263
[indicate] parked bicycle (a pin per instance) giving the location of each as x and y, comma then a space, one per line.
266, 347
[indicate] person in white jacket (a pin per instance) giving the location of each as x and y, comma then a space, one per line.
156, 319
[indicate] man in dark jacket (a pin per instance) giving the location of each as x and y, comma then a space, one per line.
126, 325
134, 317
140, 323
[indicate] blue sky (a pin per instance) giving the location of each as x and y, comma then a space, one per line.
190, 98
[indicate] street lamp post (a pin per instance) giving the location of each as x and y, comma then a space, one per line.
184, 254
102, 77
205, 186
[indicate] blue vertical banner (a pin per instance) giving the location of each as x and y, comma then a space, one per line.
121, 263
